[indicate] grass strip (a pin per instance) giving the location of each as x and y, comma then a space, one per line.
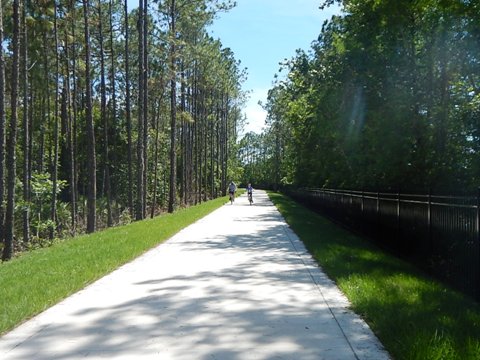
39, 279
413, 315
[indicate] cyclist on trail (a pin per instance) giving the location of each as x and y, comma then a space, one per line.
231, 190
250, 193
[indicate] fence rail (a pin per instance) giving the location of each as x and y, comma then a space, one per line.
439, 233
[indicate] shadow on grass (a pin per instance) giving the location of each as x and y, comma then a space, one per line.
414, 316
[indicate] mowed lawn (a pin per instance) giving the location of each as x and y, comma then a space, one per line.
39, 279
413, 315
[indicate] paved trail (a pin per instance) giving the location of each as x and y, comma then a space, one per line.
237, 284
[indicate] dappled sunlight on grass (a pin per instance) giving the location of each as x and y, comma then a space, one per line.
415, 316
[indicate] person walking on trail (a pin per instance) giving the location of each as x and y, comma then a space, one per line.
250, 193
231, 190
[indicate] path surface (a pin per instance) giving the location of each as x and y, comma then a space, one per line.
237, 284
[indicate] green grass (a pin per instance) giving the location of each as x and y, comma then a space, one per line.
37, 280
414, 316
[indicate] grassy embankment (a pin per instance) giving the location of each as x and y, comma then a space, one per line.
37, 280
414, 316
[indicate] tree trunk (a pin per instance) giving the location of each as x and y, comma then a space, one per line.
196, 132
113, 122
227, 149
173, 112
90, 131
155, 167
67, 148
205, 146
45, 107
2, 131
26, 131
223, 154
72, 118
217, 153
182, 137
30, 141
53, 213
104, 118
128, 113
140, 214
145, 105
12, 138
212, 170
40, 166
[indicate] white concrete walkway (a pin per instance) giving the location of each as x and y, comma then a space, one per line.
237, 284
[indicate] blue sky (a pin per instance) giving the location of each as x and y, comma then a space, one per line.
262, 33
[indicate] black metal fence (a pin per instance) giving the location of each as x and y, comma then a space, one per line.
439, 233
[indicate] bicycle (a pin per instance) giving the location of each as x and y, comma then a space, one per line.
250, 198
232, 197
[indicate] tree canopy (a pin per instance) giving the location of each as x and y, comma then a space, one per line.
388, 96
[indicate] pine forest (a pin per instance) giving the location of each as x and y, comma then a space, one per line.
109, 115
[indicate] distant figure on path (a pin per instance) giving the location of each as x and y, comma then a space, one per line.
250, 193
231, 190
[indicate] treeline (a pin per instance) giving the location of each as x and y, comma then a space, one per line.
388, 97
108, 115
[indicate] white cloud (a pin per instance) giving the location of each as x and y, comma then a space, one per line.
255, 119
254, 113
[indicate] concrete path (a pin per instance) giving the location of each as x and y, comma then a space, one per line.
237, 284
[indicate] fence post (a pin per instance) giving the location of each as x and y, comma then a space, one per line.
362, 200
337, 200
398, 205
378, 211
398, 218
378, 202
477, 228
429, 220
